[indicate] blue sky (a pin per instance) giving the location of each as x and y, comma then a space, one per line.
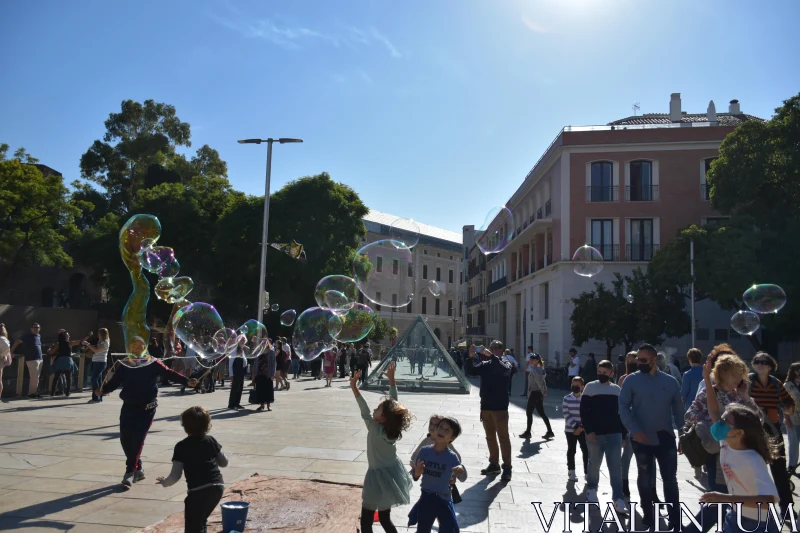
433, 110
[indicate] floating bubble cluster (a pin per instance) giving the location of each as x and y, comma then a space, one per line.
343, 284
434, 287
745, 322
154, 259
315, 332
384, 273
172, 290
356, 324
404, 232
224, 341
338, 303
765, 298
274, 308
196, 324
587, 261
256, 339
497, 229
287, 317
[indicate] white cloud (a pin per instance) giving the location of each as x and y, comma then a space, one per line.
533, 26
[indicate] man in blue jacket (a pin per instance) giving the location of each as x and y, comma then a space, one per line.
692, 377
495, 376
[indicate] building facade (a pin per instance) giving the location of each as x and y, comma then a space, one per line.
437, 256
625, 188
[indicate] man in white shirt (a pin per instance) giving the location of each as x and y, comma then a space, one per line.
574, 365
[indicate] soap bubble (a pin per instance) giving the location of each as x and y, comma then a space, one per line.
173, 290
224, 341
497, 229
745, 322
155, 258
314, 332
629, 298
170, 268
287, 317
342, 284
404, 232
256, 339
765, 298
587, 261
195, 325
136, 361
434, 287
356, 324
338, 302
274, 308
384, 273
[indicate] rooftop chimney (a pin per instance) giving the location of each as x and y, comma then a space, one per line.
711, 112
734, 108
675, 107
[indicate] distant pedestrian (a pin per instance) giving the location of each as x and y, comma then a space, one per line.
99, 355
5, 355
573, 428
537, 390
32, 343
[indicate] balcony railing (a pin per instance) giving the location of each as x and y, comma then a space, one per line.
476, 330
476, 300
704, 190
539, 214
533, 217
496, 285
641, 193
610, 252
547, 207
602, 194
640, 252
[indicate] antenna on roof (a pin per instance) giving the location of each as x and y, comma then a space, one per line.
636, 108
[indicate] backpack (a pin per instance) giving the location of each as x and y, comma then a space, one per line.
692, 447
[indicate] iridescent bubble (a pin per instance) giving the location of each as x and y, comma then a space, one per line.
384, 273
224, 341
587, 261
136, 361
497, 230
170, 268
405, 232
287, 317
765, 298
629, 298
342, 284
155, 258
745, 322
274, 308
312, 332
337, 302
173, 290
356, 324
434, 287
256, 339
195, 325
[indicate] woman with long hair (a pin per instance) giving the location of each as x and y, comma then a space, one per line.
99, 355
792, 386
63, 364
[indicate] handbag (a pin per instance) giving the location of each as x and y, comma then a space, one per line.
253, 396
692, 447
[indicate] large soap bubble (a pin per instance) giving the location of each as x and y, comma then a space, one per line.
587, 261
136, 361
434, 287
224, 341
745, 322
256, 339
287, 317
356, 324
315, 332
384, 273
405, 232
195, 325
155, 258
765, 298
173, 290
497, 230
338, 303
342, 284
170, 268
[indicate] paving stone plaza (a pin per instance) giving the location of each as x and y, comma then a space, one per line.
61, 461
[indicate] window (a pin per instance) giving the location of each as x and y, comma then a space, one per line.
461, 278
436, 307
601, 189
546, 307
641, 246
425, 252
641, 187
702, 334
450, 276
377, 297
449, 307
410, 271
438, 254
424, 305
438, 274
721, 335
394, 300
707, 166
424, 271
379, 267
395, 267
602, 238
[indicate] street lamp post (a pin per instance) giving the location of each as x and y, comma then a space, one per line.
264, 244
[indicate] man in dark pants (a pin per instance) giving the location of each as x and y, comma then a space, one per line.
237, 384
363, 363
138, 395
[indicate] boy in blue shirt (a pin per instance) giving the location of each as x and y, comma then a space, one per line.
437, 464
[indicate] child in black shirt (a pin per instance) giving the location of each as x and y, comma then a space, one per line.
199, 455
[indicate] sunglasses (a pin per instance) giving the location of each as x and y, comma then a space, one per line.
643, 360
761, 363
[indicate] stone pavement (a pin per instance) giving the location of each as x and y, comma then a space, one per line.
61, 462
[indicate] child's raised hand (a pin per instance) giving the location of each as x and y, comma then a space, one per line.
390, 371
354, 378
419, 469
707, 367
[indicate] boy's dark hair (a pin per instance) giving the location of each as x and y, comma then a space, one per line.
694, 356
196, 421
454, 425
578, 378
648, 348
398, 418
621, 358
605, 363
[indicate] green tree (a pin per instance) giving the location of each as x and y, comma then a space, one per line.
36, 217
382, 330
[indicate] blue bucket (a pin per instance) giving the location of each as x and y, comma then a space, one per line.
234, 516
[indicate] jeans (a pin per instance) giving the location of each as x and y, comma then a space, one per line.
97, 378
627, 455
34, 369
778, 467
198, 506
572, 441
749, 525
611, 446
134, 423
431, 508
295, 367
665, 452
495, 425
536, 401
711, 466
237, 387
793, 433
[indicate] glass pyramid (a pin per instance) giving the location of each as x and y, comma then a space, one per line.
423, 365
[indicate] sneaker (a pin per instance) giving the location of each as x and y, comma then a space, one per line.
591, 496
491, 470
127, 479
620, 506
525, 435
506, 474
572, 476
549, 435
138, 476
93, 401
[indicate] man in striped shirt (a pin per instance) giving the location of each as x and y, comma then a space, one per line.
571, 406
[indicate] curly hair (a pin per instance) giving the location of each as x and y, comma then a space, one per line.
196, 421
397, 418
794, 371
728, 363
755, 438
721, 349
